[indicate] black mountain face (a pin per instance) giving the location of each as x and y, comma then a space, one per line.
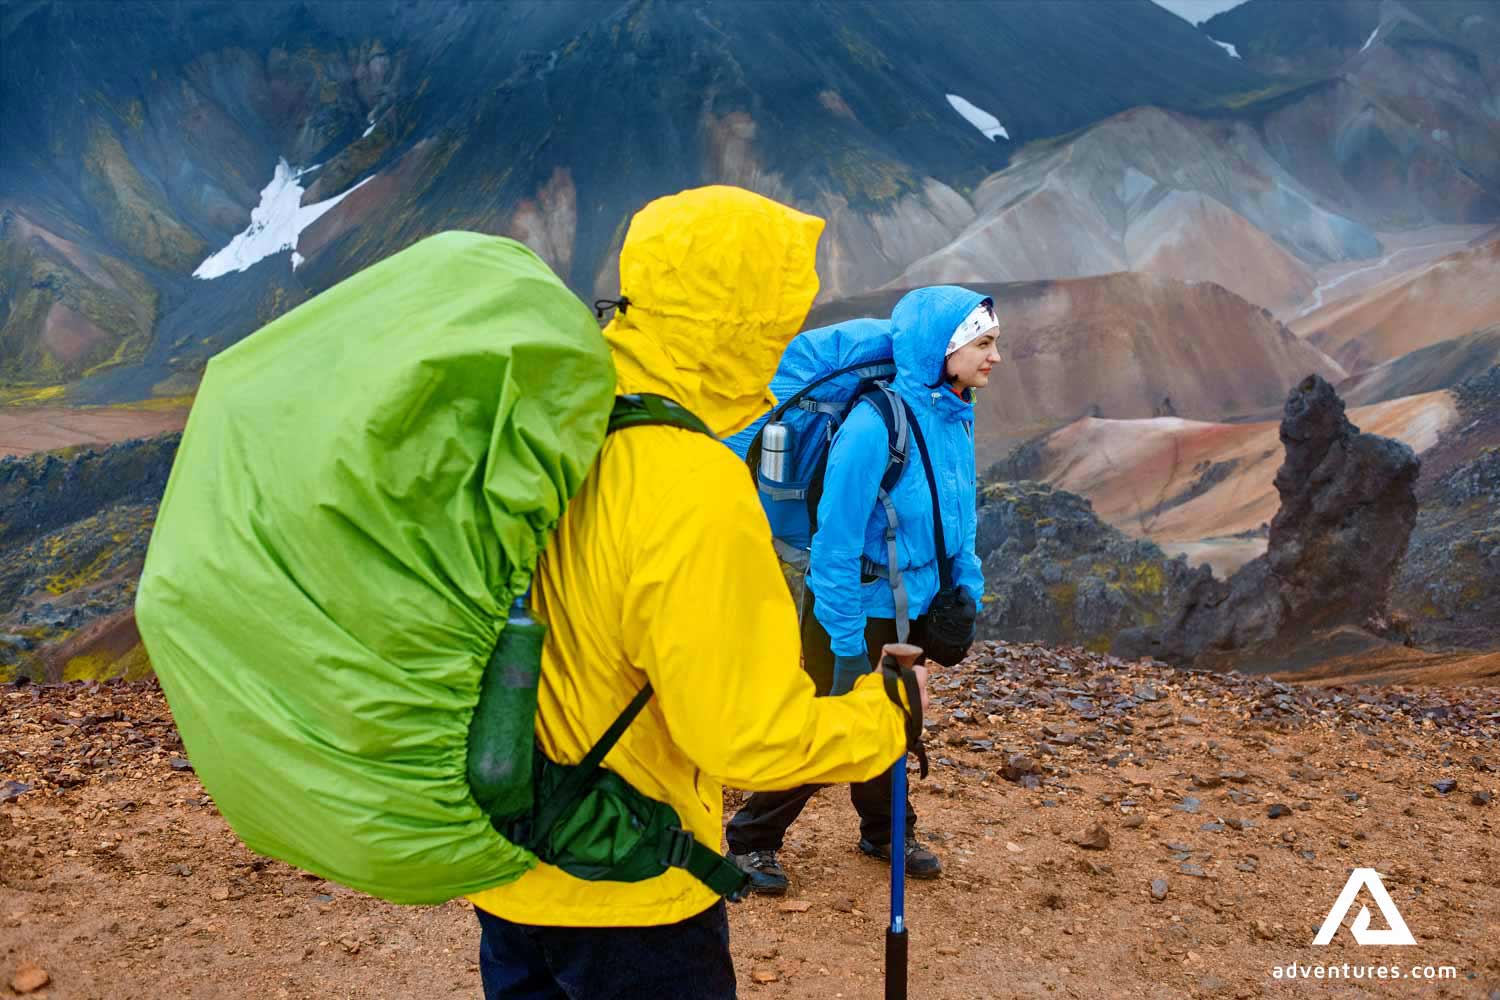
139, 137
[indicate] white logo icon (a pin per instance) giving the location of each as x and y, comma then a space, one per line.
1367, 878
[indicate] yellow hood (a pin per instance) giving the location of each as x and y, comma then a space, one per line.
719, 279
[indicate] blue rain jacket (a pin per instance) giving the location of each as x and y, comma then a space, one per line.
851, 523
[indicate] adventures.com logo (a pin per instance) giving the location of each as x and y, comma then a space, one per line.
1396, 933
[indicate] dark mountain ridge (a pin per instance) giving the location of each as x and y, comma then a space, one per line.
142, 134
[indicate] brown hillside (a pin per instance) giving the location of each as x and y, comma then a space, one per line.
1450, 298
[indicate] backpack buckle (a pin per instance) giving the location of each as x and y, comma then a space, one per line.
678, 848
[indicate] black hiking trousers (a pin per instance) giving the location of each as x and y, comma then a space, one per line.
763, 820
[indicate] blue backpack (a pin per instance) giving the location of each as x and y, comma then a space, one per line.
823, 374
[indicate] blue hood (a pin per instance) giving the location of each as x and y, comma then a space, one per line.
921, 324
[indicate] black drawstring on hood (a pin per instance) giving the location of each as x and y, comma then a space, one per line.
600, 305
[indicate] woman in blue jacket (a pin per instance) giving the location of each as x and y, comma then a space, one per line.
944, 347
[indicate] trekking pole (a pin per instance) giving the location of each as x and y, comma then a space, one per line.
896, 658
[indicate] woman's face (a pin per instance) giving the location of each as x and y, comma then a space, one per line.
970, 365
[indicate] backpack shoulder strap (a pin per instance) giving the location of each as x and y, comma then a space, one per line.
898, 438
638, 410
641, 409
896, 417
645, 409
945, 568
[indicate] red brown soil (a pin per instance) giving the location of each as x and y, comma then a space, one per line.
1406, 665
1449, 298
26, 429
120, 880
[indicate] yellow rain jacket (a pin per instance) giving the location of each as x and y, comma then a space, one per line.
662, 567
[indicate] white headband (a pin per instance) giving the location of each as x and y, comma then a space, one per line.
975, 325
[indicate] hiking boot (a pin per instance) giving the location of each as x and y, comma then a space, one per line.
766, 876
920, 862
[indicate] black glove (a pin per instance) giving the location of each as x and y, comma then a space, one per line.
948, 626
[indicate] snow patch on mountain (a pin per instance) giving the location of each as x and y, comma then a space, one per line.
979, 118
275, 223
1226, 46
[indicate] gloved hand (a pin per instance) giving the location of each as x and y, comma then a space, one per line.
847, 670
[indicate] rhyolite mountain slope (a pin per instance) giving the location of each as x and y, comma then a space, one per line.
949, 141
1450, 298
1383, 118
141, 136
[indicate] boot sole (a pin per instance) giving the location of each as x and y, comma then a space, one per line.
769, 890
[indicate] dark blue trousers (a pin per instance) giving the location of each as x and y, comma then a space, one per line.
683, 961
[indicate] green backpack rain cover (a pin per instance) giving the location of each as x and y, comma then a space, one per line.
363, 487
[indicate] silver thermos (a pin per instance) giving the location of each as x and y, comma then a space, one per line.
775, 442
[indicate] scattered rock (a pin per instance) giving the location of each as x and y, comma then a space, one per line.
843, 904
795, 906
1096, 838
180, 764
29, 977
1133, 821
1481, 798
764, 974
13, 790
1158, 889
1279, 810
1019, 765
1445, 786
219, 893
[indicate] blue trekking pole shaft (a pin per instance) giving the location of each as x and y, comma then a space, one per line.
896, 658
895, 935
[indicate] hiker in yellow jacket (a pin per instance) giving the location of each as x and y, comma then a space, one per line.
662, 569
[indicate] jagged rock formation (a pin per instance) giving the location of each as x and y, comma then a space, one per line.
1449, 582
1348, 506
1056, 573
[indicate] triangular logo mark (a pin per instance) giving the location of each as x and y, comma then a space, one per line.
1365, 878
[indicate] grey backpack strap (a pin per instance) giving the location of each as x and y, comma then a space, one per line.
893, 411
893, 568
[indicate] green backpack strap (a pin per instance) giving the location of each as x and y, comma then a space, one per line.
676, 847
644, 409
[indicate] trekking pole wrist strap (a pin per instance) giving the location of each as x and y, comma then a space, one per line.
903, 680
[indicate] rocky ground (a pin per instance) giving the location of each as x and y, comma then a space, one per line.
1109, 829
